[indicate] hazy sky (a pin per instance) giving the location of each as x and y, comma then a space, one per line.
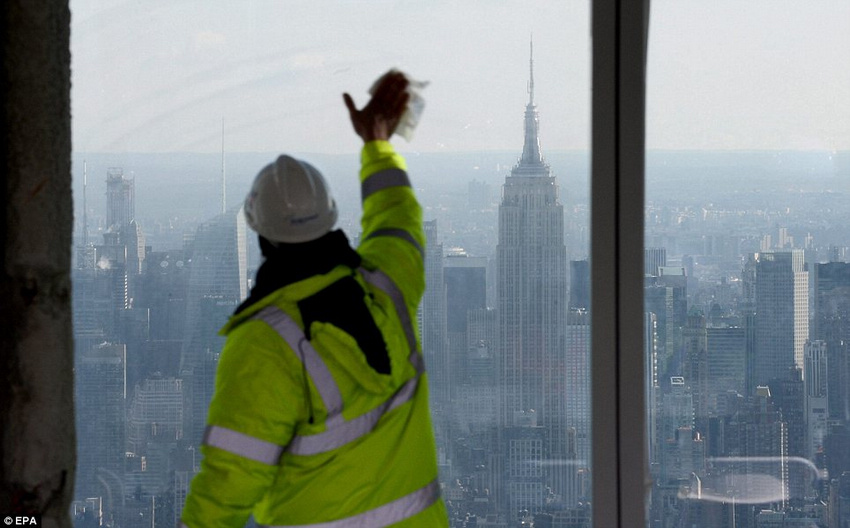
158, 76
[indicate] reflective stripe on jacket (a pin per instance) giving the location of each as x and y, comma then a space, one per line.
306, 433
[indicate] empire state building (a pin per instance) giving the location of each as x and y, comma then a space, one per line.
532, 315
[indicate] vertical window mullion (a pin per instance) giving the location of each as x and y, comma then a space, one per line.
620, 472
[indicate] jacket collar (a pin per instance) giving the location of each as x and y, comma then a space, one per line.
286, 264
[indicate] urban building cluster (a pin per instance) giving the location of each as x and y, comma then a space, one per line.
747, 356
146, 348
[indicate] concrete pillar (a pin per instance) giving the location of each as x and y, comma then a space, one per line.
37, 444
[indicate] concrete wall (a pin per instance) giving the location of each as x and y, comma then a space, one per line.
37, 443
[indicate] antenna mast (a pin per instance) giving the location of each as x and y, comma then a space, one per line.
531, 71
223, 173
85, 207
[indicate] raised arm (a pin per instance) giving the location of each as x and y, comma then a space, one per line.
393, 238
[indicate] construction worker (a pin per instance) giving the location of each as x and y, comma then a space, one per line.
320, 413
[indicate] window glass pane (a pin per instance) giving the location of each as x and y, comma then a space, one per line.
178, 105
746, 262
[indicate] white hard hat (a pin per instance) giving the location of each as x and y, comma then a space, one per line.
290, 202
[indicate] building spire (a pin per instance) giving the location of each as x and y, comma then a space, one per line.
223, 173
85, 206
531, 71
531, 162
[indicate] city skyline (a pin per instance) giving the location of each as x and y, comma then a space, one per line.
747, 408
725, 335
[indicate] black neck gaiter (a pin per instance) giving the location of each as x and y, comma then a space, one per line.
289, 263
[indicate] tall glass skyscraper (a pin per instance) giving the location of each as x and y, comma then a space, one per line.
434, 323
218, 282
782, 314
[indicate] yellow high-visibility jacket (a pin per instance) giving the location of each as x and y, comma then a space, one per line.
306, 433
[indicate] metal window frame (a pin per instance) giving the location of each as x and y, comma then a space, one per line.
619, 459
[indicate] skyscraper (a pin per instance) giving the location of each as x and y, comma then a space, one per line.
120, 199
434, 320
580, 284
782, 314
832, 325
577, 392
651, 386
674, 422
696, 367
466, 289
101, 393
532, 301
434, 344
727, 350
654, 258
788, 395
477, 390
465, 280
664, 301
155, 427
218, 282
816, 413
756, 440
